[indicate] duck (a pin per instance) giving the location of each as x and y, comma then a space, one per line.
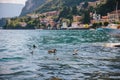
34, 46
75, 52
52, 51
57, 58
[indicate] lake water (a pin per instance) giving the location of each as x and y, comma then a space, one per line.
94, 61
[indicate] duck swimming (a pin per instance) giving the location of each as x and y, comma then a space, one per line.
34, 46
52, 51
75, 52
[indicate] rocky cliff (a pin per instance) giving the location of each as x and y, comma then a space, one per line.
40, 6
31, 5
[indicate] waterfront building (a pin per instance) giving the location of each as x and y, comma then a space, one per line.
114, 16
104, 19
77, 18
96, 18
23, 24
76, 24
64, 25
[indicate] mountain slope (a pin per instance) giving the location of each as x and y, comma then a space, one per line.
108, 7
40, 6
31, 5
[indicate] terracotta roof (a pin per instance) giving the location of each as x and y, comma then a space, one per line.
104, 17
113, 12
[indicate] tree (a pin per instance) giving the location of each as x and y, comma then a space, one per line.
86, 18
108, 7
100, 24
65, 13
95, 25
74, 10
85, 5
106, 23
91, 9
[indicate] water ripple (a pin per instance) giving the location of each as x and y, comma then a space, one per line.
94, 61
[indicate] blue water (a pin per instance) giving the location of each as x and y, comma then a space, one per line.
94, 61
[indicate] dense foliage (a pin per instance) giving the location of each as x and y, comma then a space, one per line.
108, 7
14, 23
57, 4
67, 9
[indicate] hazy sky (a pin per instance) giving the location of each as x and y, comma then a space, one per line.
11, 10
13, 1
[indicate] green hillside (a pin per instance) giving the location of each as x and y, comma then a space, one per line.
67, 9
57, 4
108, 7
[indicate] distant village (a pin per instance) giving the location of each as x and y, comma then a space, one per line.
47, 20
95, 18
